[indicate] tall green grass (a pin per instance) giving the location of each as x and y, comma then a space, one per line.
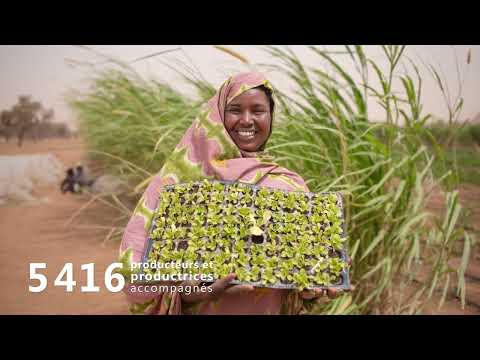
326, 136
325, 133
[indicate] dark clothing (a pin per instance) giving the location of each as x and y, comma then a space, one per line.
68, 184
75, 180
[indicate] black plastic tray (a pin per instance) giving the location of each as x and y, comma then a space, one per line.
344, 275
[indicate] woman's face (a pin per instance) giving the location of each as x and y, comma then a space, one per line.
248, 119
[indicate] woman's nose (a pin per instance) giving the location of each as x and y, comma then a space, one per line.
246, 118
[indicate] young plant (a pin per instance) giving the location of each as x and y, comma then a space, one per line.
211, 244
230, 210
259, 260
268, 276
301, 279
206, 186
287, 252
263, 193
214, 218
217, 197
290, 201
302, 206
274, 204
261, 202
319, 265
319, 251
233, 197
219, 187
336, 266
243, 259
245, 212
278, 196
270, 248
246, 200
283, 271
322, 279
255, 273
289, 228
243, 274
336, 241
229, 230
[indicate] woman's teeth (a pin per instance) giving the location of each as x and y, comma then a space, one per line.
247, 134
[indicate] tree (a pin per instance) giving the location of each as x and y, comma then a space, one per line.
26, 114
29, 117
7, 129
42, 126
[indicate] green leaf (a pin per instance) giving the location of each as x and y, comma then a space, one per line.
374, 243
255, 230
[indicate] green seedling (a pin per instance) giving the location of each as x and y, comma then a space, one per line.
216, 233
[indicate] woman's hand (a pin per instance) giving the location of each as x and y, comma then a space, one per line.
218, 288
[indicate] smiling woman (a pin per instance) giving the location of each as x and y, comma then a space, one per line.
226, 142
248, 118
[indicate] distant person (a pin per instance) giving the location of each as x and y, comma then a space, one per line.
68, 184
82, 178
76, 180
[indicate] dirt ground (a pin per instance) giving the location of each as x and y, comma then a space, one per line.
41, 232
36, 232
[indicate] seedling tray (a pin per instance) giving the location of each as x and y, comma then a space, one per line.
268, 237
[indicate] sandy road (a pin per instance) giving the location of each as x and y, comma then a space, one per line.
36, 232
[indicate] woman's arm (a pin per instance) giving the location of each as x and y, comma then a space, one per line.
132, 248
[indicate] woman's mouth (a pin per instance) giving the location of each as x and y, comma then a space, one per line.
246, 134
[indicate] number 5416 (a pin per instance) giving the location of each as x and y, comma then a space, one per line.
65, 278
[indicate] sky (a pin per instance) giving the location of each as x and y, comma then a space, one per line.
49, 73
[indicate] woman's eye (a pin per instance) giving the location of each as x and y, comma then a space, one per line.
234, 111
